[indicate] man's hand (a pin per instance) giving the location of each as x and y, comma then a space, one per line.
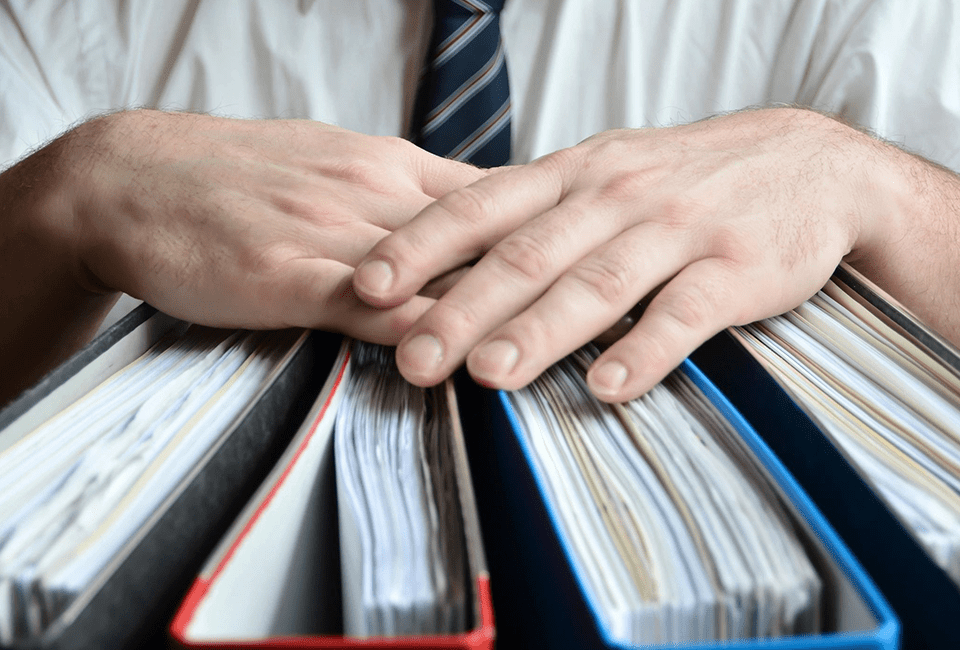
739, 217
222, 222
251, 223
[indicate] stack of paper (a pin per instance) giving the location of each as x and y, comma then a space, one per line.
891, 407
401, 533
75, 490
674, 531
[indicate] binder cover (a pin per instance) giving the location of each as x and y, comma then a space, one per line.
540, 601
922, 595
274, 580
130, 602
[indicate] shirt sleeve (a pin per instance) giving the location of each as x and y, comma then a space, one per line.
38, 98
893, 67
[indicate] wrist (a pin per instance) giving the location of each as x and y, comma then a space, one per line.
38, 217
71, 214
910, 252
48, 309
888, 196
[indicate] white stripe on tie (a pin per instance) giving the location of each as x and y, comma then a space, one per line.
467, 89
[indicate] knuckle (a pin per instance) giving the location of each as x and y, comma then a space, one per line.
627, 186
734, 247
560, 168
355, 170
301, 207
467, 204
456, 318
613, 144
536, 334
680, 211
606, 277
560, 161
523, 255
692, 308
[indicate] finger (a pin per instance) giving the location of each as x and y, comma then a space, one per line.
384, 181
440, 285
439, 176
509, 278
383, 203
346, 243
701, 300
318, 293
455, 229
584, 302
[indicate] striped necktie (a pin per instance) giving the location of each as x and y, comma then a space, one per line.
463, 103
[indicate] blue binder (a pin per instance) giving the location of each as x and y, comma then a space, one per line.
542, 603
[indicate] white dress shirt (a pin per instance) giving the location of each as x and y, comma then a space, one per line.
576, 67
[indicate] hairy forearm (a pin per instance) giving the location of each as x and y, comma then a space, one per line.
48, 308
913, 251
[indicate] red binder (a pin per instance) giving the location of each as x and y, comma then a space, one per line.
274, 580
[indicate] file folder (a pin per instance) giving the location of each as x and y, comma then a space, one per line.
274, 580
540, 600
130, 601
925, 600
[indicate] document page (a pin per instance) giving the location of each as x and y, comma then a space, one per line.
79, 487
890, 406
671, 527
403, 558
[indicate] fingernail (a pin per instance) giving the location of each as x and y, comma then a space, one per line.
374, 277
494, 360
422, 354
609, 378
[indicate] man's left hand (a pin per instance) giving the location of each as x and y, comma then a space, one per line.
739, 217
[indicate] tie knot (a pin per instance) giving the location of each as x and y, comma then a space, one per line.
466, 8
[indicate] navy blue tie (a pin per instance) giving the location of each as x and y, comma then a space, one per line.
463, 103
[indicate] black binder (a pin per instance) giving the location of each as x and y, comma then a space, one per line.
130, 602
923, 596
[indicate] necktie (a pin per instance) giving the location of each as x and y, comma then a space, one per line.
462, 109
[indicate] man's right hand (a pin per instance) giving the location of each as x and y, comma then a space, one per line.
223, 222
248, 223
